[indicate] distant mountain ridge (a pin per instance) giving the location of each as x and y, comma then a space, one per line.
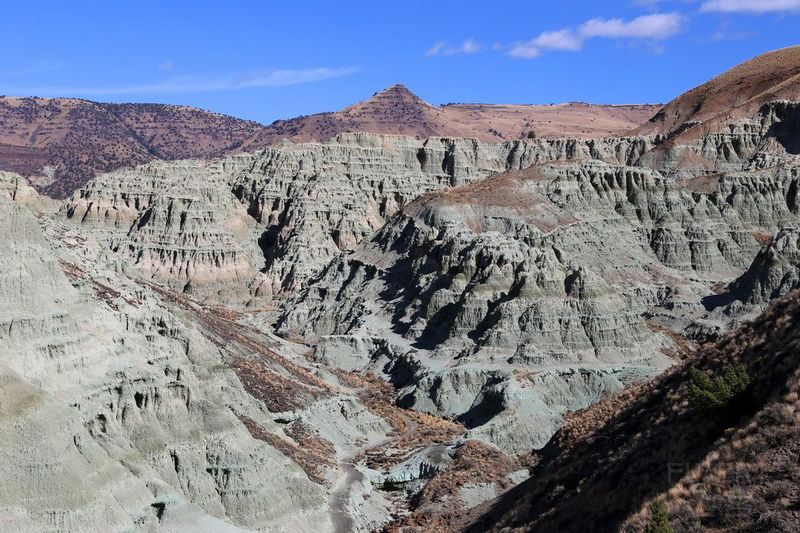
396, 110
61, 143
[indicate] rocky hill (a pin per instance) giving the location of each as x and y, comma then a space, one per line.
739, 93
464, 276
396, 110
306, 202
62, 142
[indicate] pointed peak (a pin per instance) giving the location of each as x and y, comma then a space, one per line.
397, 89
397, 93
395, 96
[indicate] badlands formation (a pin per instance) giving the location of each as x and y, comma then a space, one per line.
61, 143
384, 332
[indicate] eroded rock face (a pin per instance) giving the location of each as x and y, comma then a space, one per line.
184, 223
764, 140
102, 378
261, 225
774, 272
499, 296
317, 200
174, 223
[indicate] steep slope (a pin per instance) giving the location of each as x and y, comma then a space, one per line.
187, 418
396, 110
775, 270
737, 93
176, 223
730, 473
182, 132
575, 269
64, 142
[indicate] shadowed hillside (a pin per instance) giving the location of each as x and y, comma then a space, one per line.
732, 472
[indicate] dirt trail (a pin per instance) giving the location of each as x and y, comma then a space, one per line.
339, 497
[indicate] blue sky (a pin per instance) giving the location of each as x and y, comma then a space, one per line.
269, 60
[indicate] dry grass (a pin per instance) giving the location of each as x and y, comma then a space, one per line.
764, 239
437, 506
412, 430
80, 139
507, 192
103, 292
738, 92
683, 347
308, 450
281, 384
397, 111
278, 392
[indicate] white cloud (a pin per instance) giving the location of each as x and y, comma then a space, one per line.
658, 27
260, 78
166, 66
549, 40
559, 40
525, 51
470, 46
750, 6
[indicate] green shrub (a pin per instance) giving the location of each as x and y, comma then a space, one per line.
711, 396
659, 519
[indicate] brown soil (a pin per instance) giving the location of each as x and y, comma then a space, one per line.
505, 191
310, 451
411, 429
437, 506
738, 92
73, 140
396, 110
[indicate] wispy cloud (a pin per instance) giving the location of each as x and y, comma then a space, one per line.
559, 40
260, 78
656, 27
750, 6
526, 50
166, 66
38, 68
650, 28
470, 46
549, 40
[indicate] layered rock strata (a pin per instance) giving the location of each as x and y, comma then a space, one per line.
174, 223
525, 295
183, 223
